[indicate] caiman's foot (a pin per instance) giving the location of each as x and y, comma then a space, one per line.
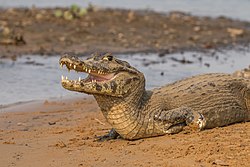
110, 136
194, 121
176, 119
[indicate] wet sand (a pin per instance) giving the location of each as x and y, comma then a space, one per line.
62, 133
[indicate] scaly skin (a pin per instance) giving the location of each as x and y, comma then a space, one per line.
202, 102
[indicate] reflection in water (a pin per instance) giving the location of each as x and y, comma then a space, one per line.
38, 77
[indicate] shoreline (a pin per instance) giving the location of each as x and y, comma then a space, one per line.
30, 105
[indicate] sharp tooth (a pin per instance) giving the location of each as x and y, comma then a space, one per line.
62, 77
79, 79
61, 65
89, 71
74, 66
70, 64
86, 70
66, 78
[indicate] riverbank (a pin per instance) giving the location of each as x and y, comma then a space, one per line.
51, 31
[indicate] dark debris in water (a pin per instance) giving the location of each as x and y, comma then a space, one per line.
33, 63
182, 61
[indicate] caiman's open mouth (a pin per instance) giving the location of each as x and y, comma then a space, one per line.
94, 75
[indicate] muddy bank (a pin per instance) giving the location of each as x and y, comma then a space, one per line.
61, 133
44, 31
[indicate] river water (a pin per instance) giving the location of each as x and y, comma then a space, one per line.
38, 77
230, 8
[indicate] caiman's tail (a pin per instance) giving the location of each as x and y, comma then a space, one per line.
247, 99
243, 73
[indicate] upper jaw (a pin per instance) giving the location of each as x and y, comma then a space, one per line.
73, 63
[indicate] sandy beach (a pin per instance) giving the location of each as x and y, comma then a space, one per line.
62, 133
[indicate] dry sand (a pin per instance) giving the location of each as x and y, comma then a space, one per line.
62, 133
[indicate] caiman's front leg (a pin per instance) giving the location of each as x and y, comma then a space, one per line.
174, 120
111, 135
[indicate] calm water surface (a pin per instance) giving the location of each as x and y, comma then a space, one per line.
38, 77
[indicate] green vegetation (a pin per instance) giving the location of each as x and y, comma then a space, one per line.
73, 12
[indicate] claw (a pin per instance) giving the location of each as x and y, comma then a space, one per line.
110, 136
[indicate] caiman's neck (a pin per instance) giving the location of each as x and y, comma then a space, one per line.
126, 114
131, 102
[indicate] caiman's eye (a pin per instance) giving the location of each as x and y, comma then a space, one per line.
108, 57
